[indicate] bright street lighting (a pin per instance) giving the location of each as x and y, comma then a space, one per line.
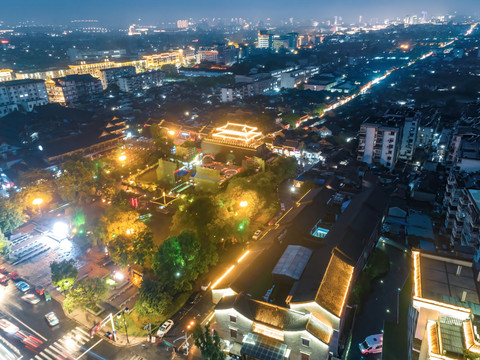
243, 203
60, 230
119, 276
37, 201
122, 157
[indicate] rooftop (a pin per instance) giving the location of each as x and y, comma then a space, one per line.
445, 279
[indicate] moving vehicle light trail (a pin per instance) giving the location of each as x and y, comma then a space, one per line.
376, 81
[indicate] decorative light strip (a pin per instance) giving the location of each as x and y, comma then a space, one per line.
222, 277
417, 274
470, 343
268, 331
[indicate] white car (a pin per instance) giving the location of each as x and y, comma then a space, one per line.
256, 235
8, 327
372, 345
166, 327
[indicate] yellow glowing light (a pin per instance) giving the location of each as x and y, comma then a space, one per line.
122, 157
268, 331
243, 256
416, 274
470, 343
238, 132
243, 204
171, 132
37, 201
222, 277
404, 46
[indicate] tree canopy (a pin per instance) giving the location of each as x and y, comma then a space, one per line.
209, 345
63, 270
11, 215
86, 293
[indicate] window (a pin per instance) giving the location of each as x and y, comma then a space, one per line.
305, 342
233, 333
233, 318
305, 356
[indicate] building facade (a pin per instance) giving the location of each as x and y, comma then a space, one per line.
71, 89
111, 76
378, 144
409, 138
22, 94
141, 81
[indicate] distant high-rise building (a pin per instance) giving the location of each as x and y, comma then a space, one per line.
79, 55
182, 24
22, 94
264, 40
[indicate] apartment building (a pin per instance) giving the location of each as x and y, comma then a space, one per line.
378, 144
22, 95
141, 81
71, 89
110, 76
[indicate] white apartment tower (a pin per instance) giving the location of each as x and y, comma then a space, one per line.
378, 144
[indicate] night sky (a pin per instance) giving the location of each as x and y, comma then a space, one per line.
121, 12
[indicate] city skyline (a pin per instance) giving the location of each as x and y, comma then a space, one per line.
122, 12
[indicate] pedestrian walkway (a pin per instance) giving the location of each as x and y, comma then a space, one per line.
69, 345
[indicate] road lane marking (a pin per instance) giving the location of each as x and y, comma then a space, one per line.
28, 327
89, 349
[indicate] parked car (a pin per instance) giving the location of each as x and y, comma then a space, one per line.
31, 298
165, 328
256, 235
8, 327
3, 279
22, 286
52, 319
282, 206
40, 290
14, 275
3, 270
372, 344
47, 295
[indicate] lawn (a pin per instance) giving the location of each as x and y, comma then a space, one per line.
136, 323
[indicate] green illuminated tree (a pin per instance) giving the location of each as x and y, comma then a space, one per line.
131, 249
87, 293
11, 216
77, 182
63, 271
209, 344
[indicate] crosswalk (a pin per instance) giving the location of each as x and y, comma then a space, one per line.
70, 344
137, 357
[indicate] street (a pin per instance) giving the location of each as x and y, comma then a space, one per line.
381, 303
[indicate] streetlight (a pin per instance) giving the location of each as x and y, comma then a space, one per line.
122, 312
38, 202
243, 203
122, 157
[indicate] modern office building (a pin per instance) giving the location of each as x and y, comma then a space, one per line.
378, 144
264, 40
22, 95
